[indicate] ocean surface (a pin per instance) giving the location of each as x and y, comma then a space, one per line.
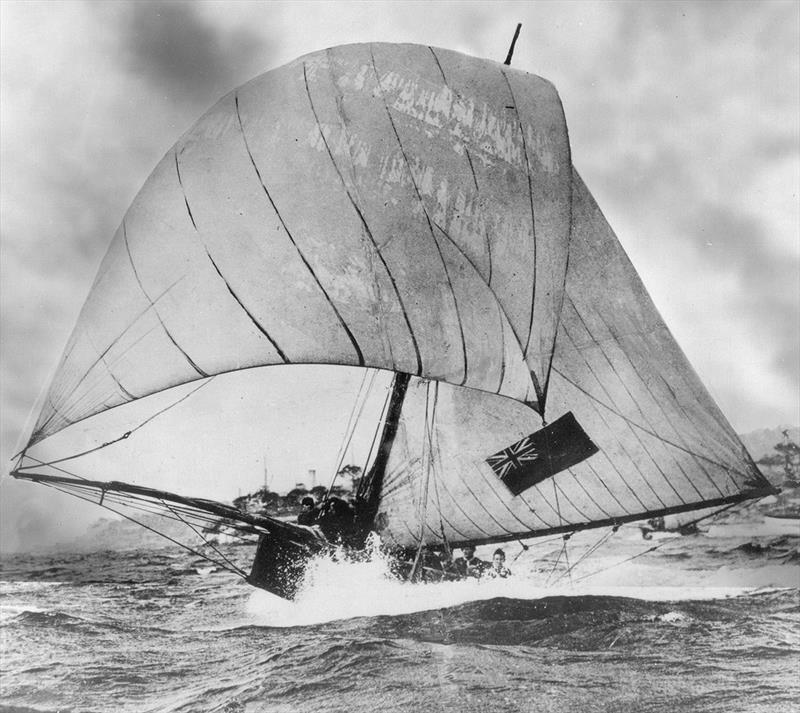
708, 622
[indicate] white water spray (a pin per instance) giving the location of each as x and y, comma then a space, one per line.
338, 588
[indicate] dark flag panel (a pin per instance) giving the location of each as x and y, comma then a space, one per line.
542, 454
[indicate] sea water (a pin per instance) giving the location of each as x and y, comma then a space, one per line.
685, 624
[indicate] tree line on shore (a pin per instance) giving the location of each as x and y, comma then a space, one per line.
268, 502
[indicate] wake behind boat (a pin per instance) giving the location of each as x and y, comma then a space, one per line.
414, 213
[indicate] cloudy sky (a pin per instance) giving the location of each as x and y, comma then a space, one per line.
683, 120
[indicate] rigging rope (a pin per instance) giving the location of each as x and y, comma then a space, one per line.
125, 435
433, 434
590, 551
350, 428
202, 555
205, 541
382, 419
427, 467
617, 564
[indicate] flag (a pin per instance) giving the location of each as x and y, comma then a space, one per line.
542, 454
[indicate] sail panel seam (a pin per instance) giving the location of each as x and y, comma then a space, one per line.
614, 371
291, 238
422, 206
155, 309
539, 395
367, 229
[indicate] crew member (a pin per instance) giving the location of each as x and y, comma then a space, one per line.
498, 568
308, 513
469, 565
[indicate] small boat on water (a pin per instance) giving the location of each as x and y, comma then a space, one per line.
414, 213
783, 522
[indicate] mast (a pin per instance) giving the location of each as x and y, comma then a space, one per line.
368, 496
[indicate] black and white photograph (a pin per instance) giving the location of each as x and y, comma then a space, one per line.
385, 356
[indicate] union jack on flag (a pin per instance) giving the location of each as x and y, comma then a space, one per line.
513, 457
559, 445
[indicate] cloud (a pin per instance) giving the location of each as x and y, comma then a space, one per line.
176, 48
683, 120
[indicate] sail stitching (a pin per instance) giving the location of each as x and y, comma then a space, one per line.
79, 405
255, 322
430, 431
127, 434
521, 498
486, 510
441, 468
366, 227
563, 291
458, 311
424, 210
588, 494
459, 506
497, 302
502, 375
610, 491
597, 401
155, 309
183, 190
289, 235
630, 395
616, 340
690, 417
533, 217
252, 318
70, 385
469, 161
615, 411
485, 229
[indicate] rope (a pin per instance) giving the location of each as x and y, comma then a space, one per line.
591, 574
205, 541
525, 548
558, 559
376, 433
125, 435
350, 429
428, 466
147, 527
600, 542
434, 434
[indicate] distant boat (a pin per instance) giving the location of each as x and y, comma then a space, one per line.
415, 211
784, 521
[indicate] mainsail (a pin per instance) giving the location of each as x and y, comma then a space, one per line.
664, 446
414, 210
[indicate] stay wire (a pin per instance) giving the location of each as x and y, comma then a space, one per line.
348, 432
617, 564
147, 527
381, 419
423, 505
434, 436
125, 435
205, 541
589, 552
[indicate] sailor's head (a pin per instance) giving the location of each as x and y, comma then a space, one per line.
469, 551
307, 502
498, 558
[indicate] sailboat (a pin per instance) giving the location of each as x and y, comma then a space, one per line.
413, 211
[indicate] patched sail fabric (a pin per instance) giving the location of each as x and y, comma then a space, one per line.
389, 206
664, 446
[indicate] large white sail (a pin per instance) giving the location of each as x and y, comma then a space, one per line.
416, 210
664, 446
392, 206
